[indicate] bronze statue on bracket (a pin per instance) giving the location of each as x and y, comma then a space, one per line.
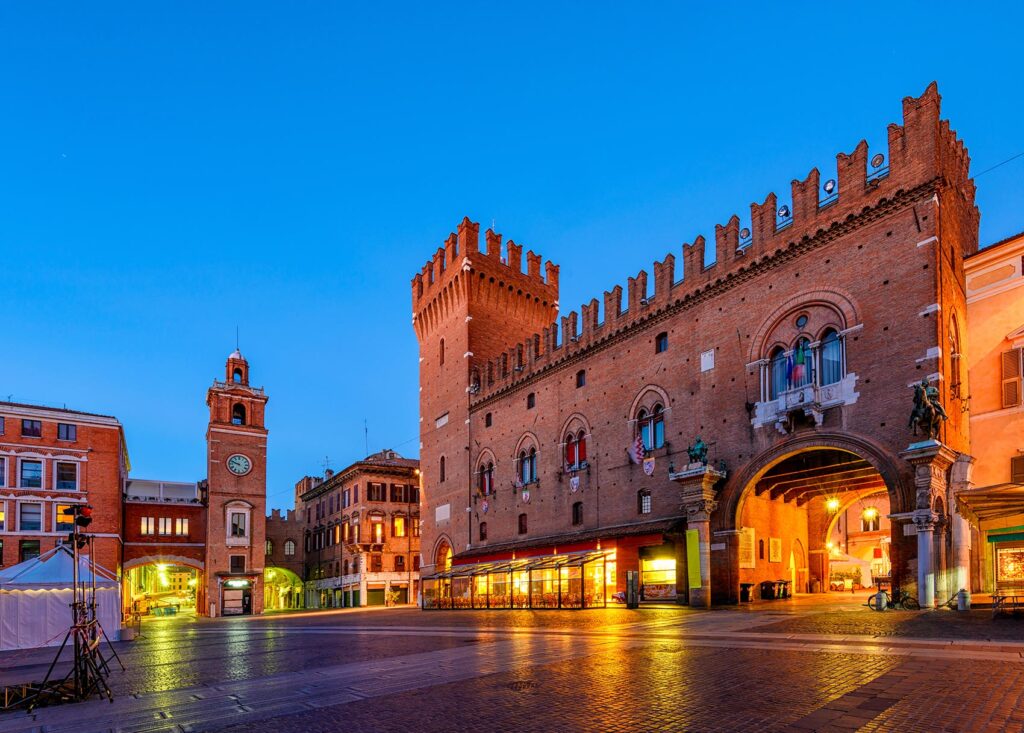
928, 413
698, 452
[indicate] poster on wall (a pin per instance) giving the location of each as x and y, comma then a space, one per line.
775, 549
748, 560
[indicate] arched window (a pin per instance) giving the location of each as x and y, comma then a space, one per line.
801, 373
482, 528
528, 466
831, 358
575, 451
440, 470
522, 524
577, 513
652, 427
661, 342
440, 359
236, 376
443, 558
777, 373
955, 376
238, 415
487, 479
643, 502
289, 548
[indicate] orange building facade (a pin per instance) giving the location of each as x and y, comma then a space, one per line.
706, 427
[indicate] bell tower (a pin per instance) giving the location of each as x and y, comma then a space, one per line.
236, 466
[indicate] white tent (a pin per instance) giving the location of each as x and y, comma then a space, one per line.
35, 600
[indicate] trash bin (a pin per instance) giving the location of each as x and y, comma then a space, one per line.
745, 594
963, 600
768, 590
782, 589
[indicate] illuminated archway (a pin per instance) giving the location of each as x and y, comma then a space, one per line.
282, 589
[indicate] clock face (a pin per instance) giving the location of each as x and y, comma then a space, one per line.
239, 464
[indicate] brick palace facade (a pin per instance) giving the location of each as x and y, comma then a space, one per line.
790, 344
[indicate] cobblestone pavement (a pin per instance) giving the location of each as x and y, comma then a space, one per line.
785, 667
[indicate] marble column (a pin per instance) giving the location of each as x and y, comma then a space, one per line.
697, 482
931, 461
960, 560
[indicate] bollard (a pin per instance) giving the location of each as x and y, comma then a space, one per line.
963, 600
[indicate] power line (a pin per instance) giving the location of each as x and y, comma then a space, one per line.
1018, 155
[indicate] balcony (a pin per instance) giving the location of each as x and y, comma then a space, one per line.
810, 399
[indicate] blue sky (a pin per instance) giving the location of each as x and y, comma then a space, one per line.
172, 170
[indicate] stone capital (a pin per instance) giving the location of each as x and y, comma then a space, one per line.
925, 520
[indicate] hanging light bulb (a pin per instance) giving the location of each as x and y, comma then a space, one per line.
832, 504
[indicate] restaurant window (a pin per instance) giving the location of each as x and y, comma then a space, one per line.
482, 530
643, 502
661, 342
376, 562
31, 429
181, 526
147, 525
30, 517
237, 563
66, 431
522, 524
581, 378
67, 475
28, 549
31, 474
238, 525
577, 513
289, 548
652, 427
399, 563
63, 522
398, 528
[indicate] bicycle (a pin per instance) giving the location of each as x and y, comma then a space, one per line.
900, 599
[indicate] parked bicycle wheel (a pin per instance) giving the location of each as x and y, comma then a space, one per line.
910, 603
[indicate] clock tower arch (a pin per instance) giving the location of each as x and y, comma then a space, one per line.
236, 470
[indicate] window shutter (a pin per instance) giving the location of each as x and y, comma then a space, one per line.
1017, 470
1011, 377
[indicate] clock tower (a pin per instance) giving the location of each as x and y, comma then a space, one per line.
236, 465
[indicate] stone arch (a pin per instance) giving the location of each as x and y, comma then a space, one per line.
646, 397
574, 423
845, 506
163, 559
443, 553
838, 301
737, 487
526, 439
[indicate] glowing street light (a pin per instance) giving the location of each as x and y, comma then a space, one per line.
832, 504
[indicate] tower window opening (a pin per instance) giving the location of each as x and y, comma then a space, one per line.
236, 376
238, 415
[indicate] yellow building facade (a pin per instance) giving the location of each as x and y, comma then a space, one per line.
994, 503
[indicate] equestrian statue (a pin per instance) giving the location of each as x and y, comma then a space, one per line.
927, 413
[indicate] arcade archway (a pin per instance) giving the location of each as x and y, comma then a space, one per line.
162, 587
282, 589
814, 518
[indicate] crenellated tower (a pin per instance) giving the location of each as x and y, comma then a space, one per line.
469, 306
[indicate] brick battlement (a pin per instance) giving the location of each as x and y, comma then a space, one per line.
461, 265
924, 155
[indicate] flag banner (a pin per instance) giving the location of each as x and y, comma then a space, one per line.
526, 495
789, 369
485, 507
636, 451
649, 466
799, 363
574, 484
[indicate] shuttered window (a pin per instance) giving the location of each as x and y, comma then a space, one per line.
1017, 470
1011, 374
